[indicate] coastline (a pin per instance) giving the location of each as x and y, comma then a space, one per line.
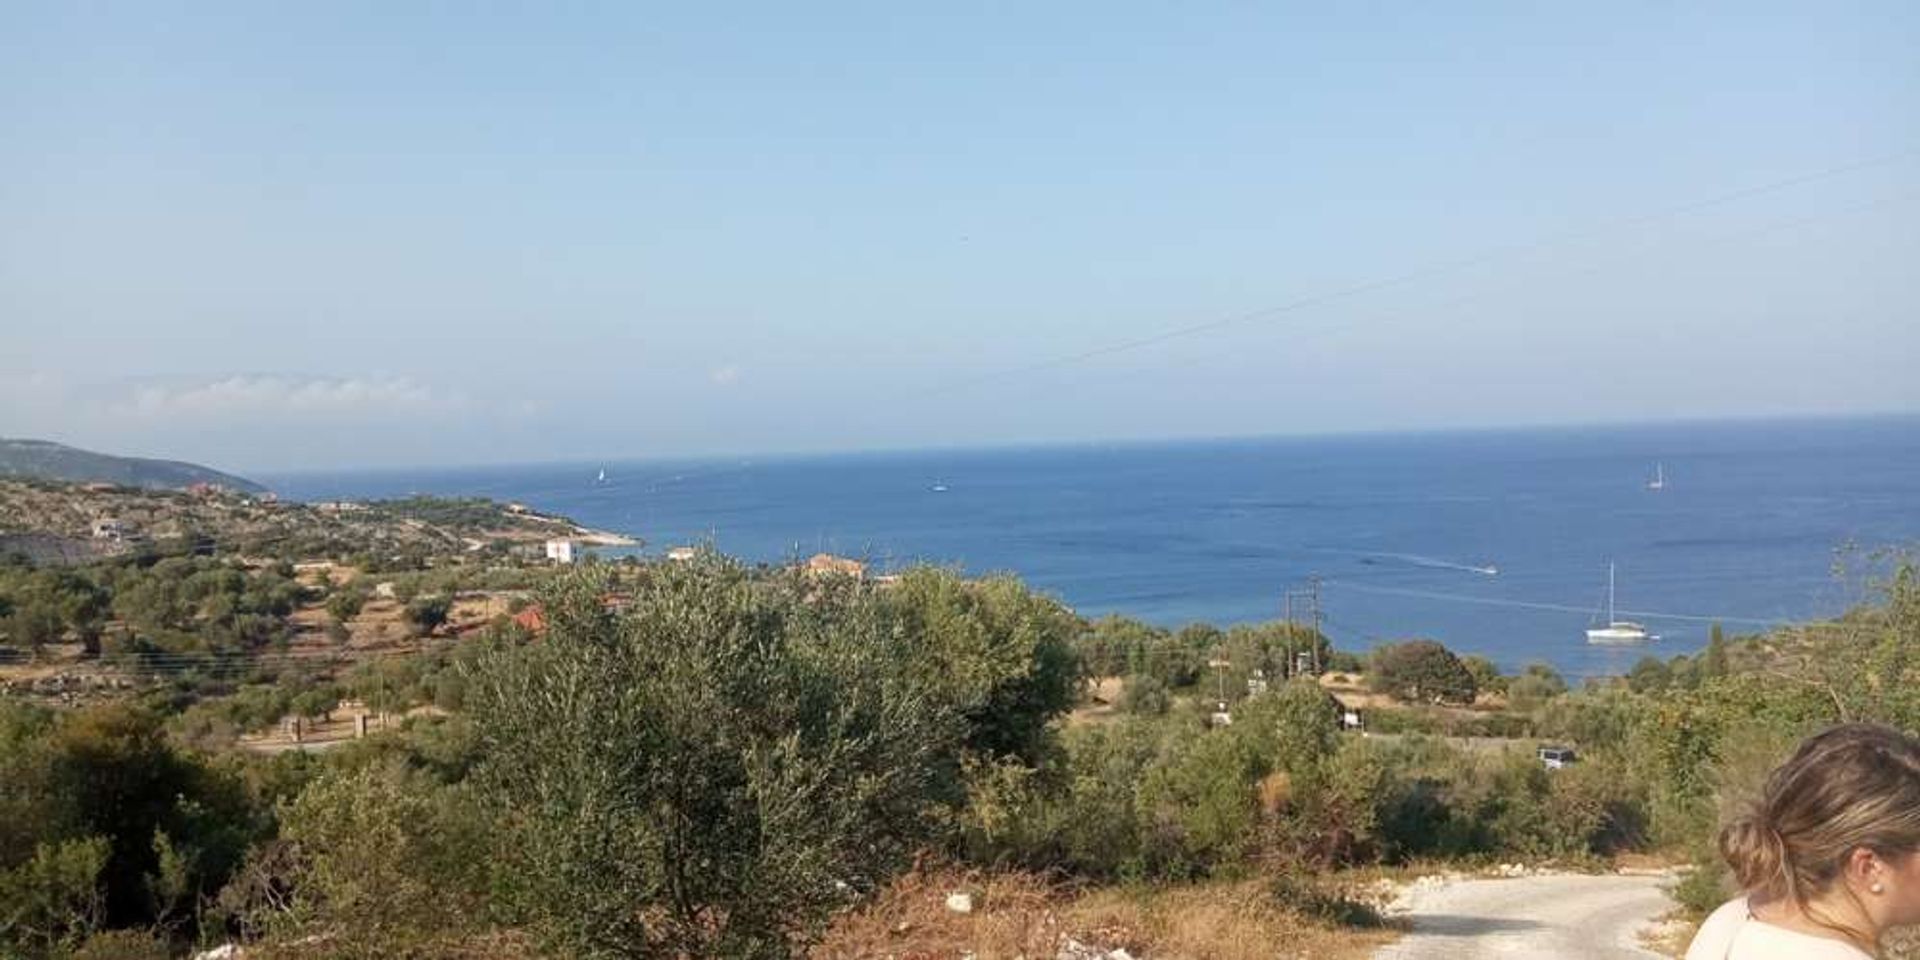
605, 538
1399, 534
580, 531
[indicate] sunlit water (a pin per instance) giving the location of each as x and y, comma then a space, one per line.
1494, 542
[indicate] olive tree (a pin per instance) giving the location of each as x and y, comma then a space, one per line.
715, 770
1422, 671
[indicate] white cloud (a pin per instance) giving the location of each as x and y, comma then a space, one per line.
725, 376
269, 397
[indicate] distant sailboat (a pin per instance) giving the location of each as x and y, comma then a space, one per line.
1659, 481
1616, 632
602, 478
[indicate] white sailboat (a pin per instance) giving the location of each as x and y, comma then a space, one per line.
1659, 481
602, 478
1616, 631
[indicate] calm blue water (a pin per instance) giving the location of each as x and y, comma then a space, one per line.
1746, 529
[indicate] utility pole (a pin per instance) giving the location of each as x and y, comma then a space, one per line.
1307, 599
1313, 621
1286, 617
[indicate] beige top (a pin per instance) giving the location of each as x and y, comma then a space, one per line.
1733, 933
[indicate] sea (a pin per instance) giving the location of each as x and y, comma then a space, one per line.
1492, 542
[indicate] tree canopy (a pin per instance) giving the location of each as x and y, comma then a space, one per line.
717, 769
1422, 671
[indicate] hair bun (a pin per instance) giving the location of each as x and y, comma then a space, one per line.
1758, 855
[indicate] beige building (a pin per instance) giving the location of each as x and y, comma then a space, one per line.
826, 564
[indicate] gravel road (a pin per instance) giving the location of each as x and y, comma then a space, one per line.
1563, 916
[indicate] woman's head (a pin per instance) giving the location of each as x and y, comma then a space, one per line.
1839, 819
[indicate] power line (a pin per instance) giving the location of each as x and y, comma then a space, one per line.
1552, 607
1777, 226
1439, 269
1296, 602
286, 654
230, 665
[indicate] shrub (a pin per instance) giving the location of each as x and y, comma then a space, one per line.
1649, 675
1534, 687
378, 860
426, 614
1704, 887
717, 770
1145, 695
1421, 671
1341, 661
1113, 645
118, 778
1294, 727
1328, 813
1007, 818
1199, 804
1486, 674
122, 945
346, 603
998, 653
56, 898
1405, 720
1321, 898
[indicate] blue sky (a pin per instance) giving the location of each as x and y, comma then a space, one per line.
379, 234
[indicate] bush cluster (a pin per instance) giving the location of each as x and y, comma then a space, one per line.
729, 757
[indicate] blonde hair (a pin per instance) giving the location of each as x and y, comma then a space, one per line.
1853, 786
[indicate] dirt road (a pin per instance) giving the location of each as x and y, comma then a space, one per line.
1564, 916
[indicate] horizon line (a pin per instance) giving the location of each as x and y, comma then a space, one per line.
1359, 433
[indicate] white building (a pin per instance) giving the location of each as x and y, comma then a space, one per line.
562, 551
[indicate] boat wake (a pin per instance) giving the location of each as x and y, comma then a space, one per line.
1416, 560
1436, 563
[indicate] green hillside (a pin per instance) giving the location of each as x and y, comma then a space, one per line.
45, 460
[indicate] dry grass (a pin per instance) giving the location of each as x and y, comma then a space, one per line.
1013, 915
1215, 922
492, 945
309, 624
477, 610
1351, 690
1653, 860
380, 624
1021, 915
1670, 937
1103, 705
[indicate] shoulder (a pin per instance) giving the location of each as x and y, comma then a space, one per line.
1716, 935
1731, 933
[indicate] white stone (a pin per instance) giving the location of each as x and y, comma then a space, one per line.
960, 902
1071, 949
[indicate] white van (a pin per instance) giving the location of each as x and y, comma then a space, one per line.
1555, 758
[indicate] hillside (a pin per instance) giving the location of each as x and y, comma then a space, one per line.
45, 460
53, 523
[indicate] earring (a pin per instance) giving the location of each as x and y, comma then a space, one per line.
1877, 888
